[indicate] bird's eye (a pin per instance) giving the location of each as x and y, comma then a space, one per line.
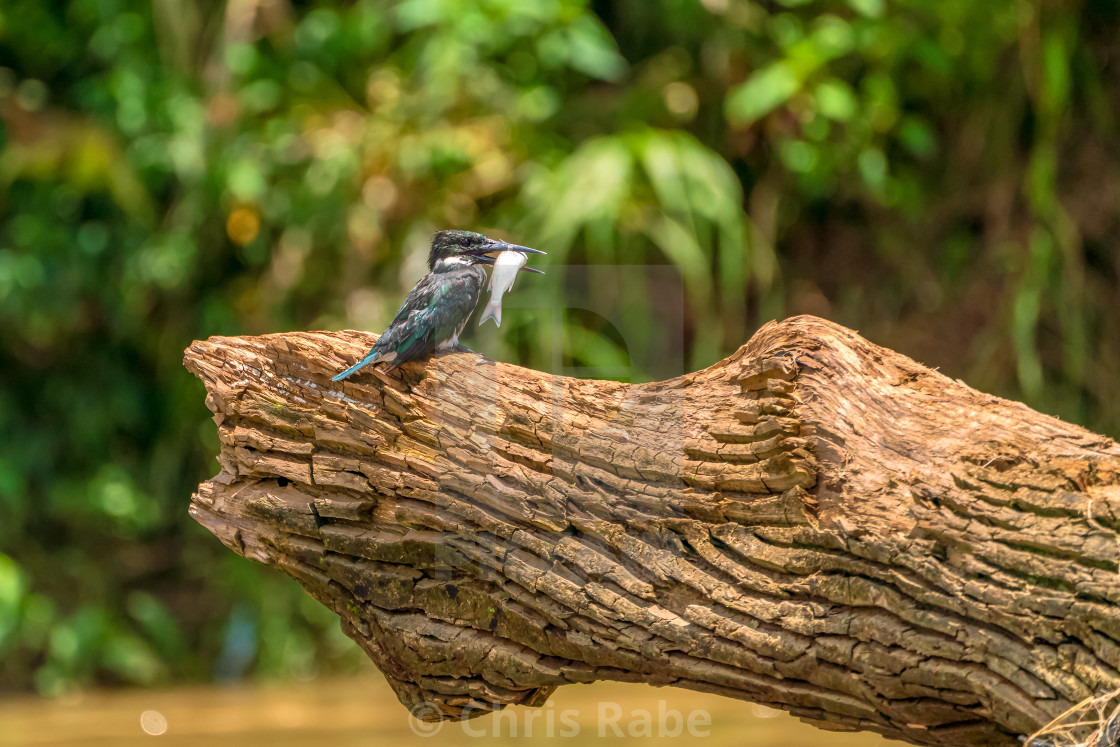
464, 242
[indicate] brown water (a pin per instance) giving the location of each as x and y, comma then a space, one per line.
364, 712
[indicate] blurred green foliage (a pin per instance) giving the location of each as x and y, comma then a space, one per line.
941, 175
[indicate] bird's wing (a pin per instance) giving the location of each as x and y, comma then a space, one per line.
433, 311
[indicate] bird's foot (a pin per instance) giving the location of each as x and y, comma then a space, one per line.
461, 348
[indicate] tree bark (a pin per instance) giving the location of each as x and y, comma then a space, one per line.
816, 523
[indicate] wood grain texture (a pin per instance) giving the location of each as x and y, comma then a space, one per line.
815, 523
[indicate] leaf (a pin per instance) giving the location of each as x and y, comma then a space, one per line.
682, 249
590, 348
414, 14
836, 100
867, 8
799, 156
873, 168
832, 36
157, 623
659, 157
918, 137
713, 188
592, 51
13, 587
590, 185
131, 658
1055, 74
760, 94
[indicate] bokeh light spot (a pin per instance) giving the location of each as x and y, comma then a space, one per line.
680, 98
243, 225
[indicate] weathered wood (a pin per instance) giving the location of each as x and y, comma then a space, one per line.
815, 523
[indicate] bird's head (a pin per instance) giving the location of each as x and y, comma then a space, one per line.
452, 248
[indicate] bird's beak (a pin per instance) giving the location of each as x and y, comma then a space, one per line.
497, 247
490, 251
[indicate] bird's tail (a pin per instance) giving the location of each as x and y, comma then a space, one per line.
373, 357
492, 311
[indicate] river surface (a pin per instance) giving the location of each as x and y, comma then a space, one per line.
364, 712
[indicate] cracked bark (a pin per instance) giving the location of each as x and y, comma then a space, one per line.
815, 523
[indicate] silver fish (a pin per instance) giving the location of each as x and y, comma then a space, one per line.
501, 280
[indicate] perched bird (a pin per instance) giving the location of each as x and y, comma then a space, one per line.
437, 308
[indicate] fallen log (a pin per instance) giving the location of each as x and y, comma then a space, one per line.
816, 524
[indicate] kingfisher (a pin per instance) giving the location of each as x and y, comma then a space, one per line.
438, 307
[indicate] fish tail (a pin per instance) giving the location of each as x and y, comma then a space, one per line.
492, 311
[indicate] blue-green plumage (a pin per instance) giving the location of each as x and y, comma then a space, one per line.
437, 308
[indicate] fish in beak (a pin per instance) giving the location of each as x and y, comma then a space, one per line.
490, 252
